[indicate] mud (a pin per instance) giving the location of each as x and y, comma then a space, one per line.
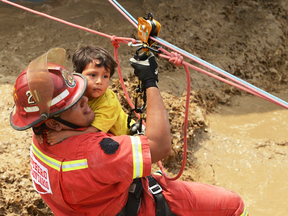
234, 140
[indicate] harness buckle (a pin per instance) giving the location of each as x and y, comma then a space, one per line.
132, 188
155, 189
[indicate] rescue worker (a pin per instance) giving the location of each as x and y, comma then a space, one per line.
92, 173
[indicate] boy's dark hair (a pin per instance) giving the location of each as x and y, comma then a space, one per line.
87, 54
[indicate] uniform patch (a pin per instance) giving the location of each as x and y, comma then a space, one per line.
109, 145
40, 176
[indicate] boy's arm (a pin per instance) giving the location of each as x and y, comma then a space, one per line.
54, 137
39, 138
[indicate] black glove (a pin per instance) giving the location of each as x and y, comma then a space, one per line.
146, 69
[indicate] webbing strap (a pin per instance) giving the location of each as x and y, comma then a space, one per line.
162, 207
135, 194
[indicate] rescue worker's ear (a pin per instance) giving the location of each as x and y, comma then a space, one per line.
54, 125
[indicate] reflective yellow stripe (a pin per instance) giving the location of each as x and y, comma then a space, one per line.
74, 165
46, 159
66, 166
245, 212
137, 157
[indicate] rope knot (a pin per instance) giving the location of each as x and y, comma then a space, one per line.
176, 58
133, 41
115, 42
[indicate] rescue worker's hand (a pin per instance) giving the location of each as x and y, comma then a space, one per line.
146, 69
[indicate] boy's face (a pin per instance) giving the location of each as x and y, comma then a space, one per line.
98, 80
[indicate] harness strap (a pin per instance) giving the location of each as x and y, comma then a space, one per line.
162, 207
134, 197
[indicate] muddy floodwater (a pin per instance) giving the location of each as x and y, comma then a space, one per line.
235, 140
245, 149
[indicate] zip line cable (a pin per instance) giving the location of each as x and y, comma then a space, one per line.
125, 13
174, 58
241, 84
156, 39
253, 89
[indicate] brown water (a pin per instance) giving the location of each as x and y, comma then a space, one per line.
245, 146
247, 152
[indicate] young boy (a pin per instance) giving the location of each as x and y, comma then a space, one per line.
98, 67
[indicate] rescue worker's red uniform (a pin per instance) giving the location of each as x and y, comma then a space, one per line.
90, 174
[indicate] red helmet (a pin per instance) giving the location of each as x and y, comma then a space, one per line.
45, 89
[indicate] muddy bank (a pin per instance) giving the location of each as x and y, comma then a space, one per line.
245, 38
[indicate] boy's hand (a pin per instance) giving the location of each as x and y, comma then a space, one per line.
146, 69
54, 137
39, 138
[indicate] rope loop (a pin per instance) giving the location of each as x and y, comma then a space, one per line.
176, 58
115, 42
134, 41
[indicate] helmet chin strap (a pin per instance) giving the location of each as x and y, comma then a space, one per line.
69, 124
39, 129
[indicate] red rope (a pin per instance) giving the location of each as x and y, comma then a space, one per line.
214, 76
177, 59
56, 19
115, 42
257, 92
120, 39
173, 57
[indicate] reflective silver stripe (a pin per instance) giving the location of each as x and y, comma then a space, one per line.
137, 157
54, 101
66, 165
60, 97
31, 109
245, 212
74, 165
46, 159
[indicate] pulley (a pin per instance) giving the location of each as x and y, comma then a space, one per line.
148, 27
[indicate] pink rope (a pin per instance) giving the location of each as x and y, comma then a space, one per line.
173, 57
177, 59
116, 45
239, 84
121, 39
114, 40
215, 76
56, 19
